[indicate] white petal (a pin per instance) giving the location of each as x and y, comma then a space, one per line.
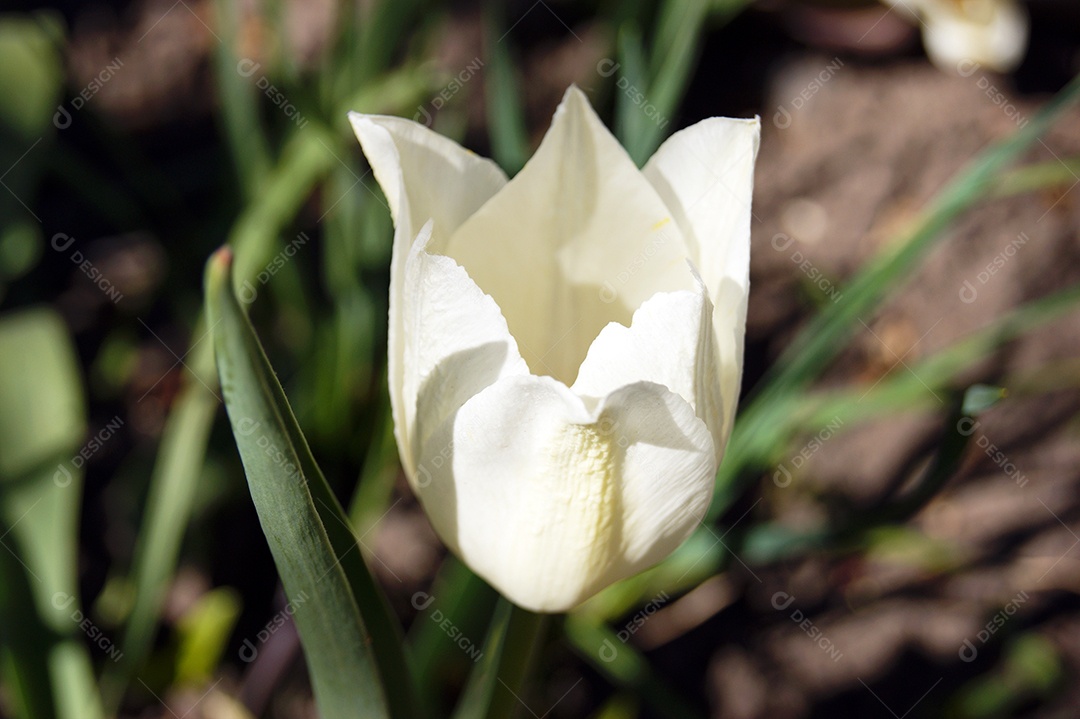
576, 240
424, 177
456, 342
705, 174
551, 502
670, 343
993, 33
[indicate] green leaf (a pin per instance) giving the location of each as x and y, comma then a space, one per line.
172, 489
238, 80
506, 118
203, 632
678, 41
631, 124
41, 430
353, 642
766, 543
31, 72
915, 390
42, 412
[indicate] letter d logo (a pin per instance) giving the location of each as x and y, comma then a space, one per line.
62, 477
781, 471
62, 600
422, 600
782, 118
422, 116
782, 600
62, 118
248, 652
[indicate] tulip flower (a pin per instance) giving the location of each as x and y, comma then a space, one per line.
958, 34
565, 348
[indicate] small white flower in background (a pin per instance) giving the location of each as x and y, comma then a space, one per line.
993, 33
565, 347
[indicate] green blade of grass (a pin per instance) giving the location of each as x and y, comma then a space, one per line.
675, 50
631, 124
768, 543
378, 473
168, 507
239, 103
1038, 176
381, 34
915, 389
826, 334
354, 652
368, 36
506, 117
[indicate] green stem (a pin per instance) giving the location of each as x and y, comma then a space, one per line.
497, 688
523, 640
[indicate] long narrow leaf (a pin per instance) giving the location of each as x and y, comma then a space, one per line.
41, 426
168, 506
341, 616
506, 118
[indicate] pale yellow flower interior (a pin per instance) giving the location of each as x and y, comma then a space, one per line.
578, 239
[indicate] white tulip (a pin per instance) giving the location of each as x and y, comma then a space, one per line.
959, 33
565, 347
